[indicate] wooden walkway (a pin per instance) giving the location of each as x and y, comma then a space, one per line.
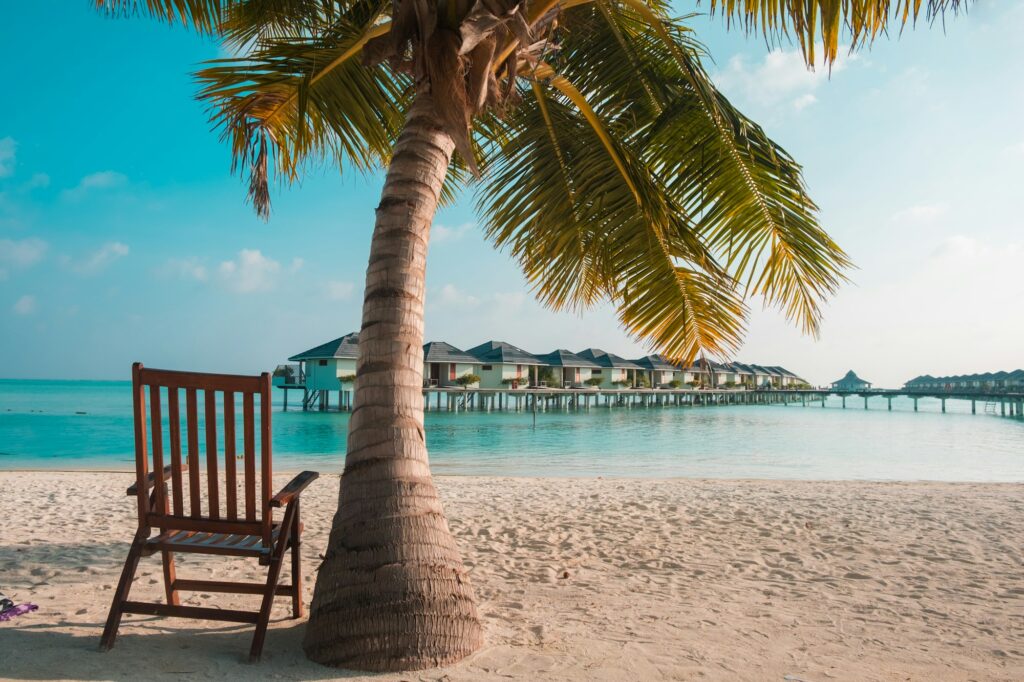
456, 399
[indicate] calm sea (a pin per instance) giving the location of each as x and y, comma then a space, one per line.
87, 424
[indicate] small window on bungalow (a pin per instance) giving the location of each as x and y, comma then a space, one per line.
323, 363
485, 367
595, 371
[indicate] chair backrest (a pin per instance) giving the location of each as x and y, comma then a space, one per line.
237, 510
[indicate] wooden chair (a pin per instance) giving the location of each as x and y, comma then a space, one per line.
238, 527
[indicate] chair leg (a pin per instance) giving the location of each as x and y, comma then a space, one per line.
124, 586
298, 610
273, 577
169, 577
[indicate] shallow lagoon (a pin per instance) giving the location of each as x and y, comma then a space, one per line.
40, 428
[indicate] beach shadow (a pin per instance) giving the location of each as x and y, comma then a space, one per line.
155, 647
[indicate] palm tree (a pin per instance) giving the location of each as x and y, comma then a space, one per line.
605, 162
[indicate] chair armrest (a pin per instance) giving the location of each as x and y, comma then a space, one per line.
133, 489
292, 490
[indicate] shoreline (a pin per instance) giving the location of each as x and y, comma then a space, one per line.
580, 579
602, 477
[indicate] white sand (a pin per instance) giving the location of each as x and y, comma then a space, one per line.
731, 580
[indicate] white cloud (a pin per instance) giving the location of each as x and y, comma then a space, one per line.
26, 305
8, 156
960, 247
296, 265
804, 101
184, 268
36, 181
1016, 149
450, 296
513, 300
781, 76
250, 272
95, 181
921, 214
443, 233
340, 291
22, 253
98, 260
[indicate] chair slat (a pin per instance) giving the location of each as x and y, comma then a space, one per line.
192, 427
174, 426
200, 381
212, 479
250, 456
141, 459
156, 424
266, 472
229, 456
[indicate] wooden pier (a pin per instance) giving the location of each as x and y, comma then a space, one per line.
455, 399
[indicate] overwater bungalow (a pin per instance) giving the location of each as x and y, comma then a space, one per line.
569, 370
444, 364
503, 365
745, 375
996, 382
695, 374
330, 367
657, 371
851, 382
786, 378
763, 377
615, 372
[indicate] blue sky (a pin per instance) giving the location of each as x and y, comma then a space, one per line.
123, 235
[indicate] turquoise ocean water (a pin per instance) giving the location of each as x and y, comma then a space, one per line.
41, 428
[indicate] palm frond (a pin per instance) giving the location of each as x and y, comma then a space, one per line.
297, 98
825, 20
578, 210
201, 15
745, 192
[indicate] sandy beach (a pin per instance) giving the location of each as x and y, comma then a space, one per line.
581, 579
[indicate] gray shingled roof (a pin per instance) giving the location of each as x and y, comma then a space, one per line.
342, 347
850, 378
741, 368
503, 353
985, 376
656, 363
607, 359
564, 358
440, 351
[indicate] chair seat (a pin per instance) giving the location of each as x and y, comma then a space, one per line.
232, 544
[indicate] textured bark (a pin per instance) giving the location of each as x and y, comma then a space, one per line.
392, 593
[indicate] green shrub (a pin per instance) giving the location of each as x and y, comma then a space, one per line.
595, 381
467, 379
676, 383
347, 378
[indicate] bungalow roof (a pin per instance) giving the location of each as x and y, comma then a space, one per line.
346, 346
441, 351
605, 359
849, 378
504, 353
656, 363
564, 358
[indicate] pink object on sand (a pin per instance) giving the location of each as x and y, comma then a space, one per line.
17, 611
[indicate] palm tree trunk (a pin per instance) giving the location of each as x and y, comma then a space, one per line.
392, 593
